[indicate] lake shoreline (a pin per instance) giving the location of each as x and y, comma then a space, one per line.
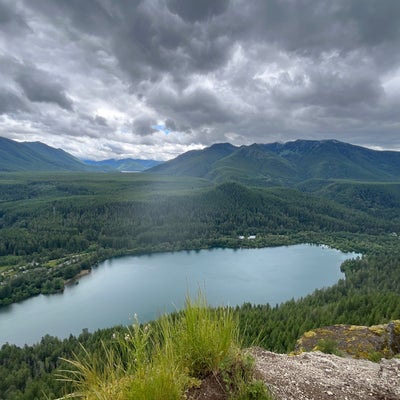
153, 284
90, 258
74, 280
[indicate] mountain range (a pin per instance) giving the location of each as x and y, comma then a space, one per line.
285, 163
305, 163
37, 156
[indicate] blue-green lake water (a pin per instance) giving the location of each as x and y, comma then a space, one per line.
149, 285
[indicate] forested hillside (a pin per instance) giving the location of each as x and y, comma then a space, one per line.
36, 156
55, 225
286, 164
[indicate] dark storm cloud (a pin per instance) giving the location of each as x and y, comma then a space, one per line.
91, 16
377, 21
100, 120
215, 70
36, 84
142, 125
309, 26
147, 39
170, 125
197, 11
11, 103
199, 106
151, 42
329, 89
10, 20
40, 87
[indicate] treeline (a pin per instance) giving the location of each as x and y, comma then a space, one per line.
370, 294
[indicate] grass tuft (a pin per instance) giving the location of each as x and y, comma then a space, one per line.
205, 337
164, 360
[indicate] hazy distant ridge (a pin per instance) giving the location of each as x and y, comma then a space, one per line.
125, 164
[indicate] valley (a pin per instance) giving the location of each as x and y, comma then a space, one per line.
199, 200
53, 225
56, 224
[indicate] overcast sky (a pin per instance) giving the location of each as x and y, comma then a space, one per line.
153, 79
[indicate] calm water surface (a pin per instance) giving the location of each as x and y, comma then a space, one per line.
153, 284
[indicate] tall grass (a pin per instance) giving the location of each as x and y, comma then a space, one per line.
204, 337
163, 360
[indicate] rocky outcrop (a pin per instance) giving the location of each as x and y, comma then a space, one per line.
373, 342
309, 374
319, 376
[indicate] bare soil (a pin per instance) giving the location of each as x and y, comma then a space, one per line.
211, 389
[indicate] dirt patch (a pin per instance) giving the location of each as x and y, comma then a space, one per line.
211, 389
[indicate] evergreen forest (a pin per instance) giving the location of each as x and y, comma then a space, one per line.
54, 225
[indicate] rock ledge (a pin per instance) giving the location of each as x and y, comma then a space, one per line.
319, 376
355, 341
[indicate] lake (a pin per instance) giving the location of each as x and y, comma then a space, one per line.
149, 285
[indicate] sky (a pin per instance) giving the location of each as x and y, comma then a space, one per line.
152, 79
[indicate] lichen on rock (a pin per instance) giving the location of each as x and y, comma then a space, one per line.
355, 341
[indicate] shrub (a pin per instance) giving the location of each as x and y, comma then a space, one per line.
328, 346
375, 356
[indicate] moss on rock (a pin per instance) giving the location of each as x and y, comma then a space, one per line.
355, 341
